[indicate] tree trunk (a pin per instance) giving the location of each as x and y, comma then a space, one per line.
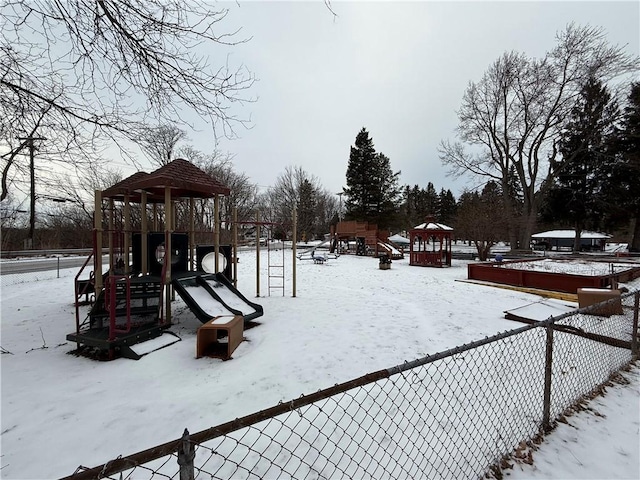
512, 224
577, 242
529, 220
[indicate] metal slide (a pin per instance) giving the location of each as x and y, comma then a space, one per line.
210, 295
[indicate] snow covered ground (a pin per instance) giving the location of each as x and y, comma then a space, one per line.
60, 411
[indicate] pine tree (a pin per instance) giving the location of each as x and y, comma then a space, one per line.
622, 186
446, 207
372, 187
359, 194
388, 195
430, 200
575, 196
307, 211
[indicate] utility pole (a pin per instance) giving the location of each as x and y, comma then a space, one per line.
32, 214
340, 207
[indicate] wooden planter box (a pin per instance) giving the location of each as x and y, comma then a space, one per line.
557, 282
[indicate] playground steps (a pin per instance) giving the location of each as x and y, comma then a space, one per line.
140, 323
144, 293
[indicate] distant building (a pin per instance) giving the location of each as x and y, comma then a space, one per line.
564, 240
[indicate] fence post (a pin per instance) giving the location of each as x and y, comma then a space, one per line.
634, 333
546, 413
186, 454
58, 276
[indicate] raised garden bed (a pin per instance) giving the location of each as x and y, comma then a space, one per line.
556, 275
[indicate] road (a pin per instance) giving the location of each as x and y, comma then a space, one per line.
10, 267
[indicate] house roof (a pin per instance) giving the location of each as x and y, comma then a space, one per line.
570, 234
183, 178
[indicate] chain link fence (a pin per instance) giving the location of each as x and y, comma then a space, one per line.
454, 414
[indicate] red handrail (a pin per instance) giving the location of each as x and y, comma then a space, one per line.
110, 296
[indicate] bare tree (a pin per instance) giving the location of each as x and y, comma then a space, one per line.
244, 193
514, 115
79, 72
161, 143
480, 218
297, 188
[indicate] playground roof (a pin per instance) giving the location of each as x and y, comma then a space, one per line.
184, 179
123, 187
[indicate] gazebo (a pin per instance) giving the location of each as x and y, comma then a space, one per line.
430, 244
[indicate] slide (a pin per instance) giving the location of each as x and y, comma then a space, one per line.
209, 295
393, 252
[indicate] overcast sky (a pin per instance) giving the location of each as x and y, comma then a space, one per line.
398, 69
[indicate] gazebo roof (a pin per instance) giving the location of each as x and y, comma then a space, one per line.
432, 226
183, 178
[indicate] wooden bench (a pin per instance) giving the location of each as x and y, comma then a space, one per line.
207, 343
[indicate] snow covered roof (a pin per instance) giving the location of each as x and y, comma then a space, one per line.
399, 239
432, 226
570, 234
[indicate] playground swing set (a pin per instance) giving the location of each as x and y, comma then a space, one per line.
131, 300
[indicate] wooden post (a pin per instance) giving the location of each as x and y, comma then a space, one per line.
634, 331
167, 252
258, 253
144, 246
97, 226
294, 247
127, 233
216, 234
546, 412
186, 454
192, 233
155, 217
111, 233
234, 249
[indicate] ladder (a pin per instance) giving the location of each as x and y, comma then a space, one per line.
275, 268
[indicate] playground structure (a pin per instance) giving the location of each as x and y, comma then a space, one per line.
369, 240
430, 244
147, 266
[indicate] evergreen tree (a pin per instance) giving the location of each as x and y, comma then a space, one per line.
359, 190
430, 201
372, 188
307, 210
446, 207
622, 186
575, 196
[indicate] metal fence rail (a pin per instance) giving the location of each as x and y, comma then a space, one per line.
452, 414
